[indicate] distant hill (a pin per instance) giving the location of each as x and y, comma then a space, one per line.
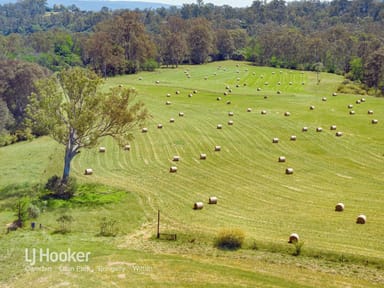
95, 5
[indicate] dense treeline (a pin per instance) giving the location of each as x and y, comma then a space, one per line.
344, 37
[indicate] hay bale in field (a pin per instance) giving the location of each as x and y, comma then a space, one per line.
198, 205
258, 89
176, 158
203, 156
278, 92
334, 94
249, 109
311, 107
159, 126
275, 140
212, 200
168, 103
181, 114
333, 127
265, 97
230, 113
219, 126
302, 83
319, 129
237, 85
339, 134
205, 78
370, 112
190, 95
324, 99
168, 95
339, 207
102, 149
229, 102
217, 148
194, 91
279, 83
362, 100
157, 82
293, 238
230, 122
218, 98
290, 83
374, 121
88, 171
351, 112
177, 92
282, 159
287, 114
304, 129
293, 138
244, 84
225, 93
172, 120
263, 112
289, 171
266, 83
358, 101
238, 79
227, 87
144, 130
361, 219
230, 90
127, 147
173, 169
140, 78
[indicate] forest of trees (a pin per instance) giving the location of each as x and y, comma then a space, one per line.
341, 36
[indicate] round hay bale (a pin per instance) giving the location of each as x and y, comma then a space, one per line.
339, 134
304, 129
350, 106
258, 89
362, 100
293, 238
172, 120
324, 99
177, 92
227, 87
176, 158
127, 147
173, 169
203, 156
194, 91
361, 219
333, 127
351, 112
374, 121
319, 129
287, 114
275, 140
230, 122
263, 112
244, 84
279, 83
168, 95
198, 205
230, 90
249, 109
266, 83
217, 148
238, 79
159, 126
290, 83
278, 92
370, 112
265, 97
219, 126
293, 138
282, 159
88, 171
358, 101
225, 93
289, 171
334, 94
311, 107
339, 207
228, 102
144, 130
205, 78
102, 149
190, 95
212, 200
168, 103
157, 82
230, 113
218, 98
237, 85
302, 83
140, 78
181, 114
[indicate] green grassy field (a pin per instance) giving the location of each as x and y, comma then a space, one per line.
253, 191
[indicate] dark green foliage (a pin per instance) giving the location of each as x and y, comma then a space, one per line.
59, 189
230, 239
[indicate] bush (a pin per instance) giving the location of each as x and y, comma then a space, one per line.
230, 239
33, 211
60, 190
65, 224
108, 228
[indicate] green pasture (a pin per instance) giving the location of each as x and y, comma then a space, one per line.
254, 192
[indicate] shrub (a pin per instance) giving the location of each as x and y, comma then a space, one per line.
65, 224
108, 228
60, 190
230, 239
33, 211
